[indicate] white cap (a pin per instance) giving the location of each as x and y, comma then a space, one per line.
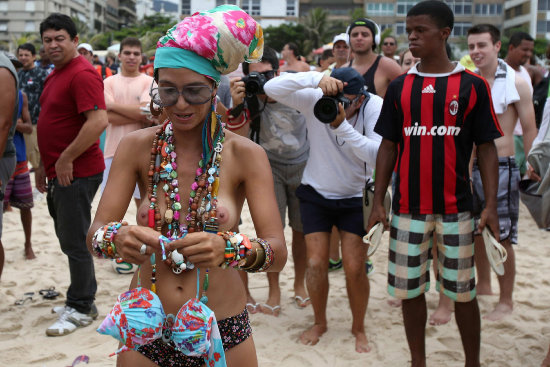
341, 37
86, 46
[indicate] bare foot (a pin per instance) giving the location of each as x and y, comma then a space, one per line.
29, 253
394, 302
501, 311
441, 316
546, 361
311, 336
483, 290
361, 343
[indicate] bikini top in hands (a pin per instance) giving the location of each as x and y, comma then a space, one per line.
138, 318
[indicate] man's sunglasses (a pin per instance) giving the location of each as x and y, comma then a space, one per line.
192, 94
389, 44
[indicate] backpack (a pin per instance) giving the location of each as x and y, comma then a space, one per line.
540, 93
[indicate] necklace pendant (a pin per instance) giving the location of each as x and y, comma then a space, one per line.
169, 216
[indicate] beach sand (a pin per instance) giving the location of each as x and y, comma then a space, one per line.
519, 340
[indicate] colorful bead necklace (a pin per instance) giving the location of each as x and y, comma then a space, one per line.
201, 212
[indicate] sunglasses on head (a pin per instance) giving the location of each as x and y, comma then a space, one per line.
193, 94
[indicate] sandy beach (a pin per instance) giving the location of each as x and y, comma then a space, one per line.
519, 340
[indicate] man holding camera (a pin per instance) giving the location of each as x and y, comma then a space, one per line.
281, 131
342, 153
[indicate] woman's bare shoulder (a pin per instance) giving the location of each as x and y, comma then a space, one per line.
241, 145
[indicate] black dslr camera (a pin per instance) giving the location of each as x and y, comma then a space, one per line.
254, 83
326, 109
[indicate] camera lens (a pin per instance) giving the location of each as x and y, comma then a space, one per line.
326, 109
253, 87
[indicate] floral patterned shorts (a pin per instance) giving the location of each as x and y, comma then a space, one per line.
234, 330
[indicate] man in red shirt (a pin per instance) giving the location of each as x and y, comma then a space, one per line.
430, 120
72, 117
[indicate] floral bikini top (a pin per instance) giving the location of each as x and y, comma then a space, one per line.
138, 318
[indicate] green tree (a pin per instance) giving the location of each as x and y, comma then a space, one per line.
277, 37
316, 27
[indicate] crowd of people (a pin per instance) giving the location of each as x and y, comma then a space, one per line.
449, 142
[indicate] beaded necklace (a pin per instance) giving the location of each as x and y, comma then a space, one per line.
201, 212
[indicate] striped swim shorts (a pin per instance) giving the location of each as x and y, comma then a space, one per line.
411, 238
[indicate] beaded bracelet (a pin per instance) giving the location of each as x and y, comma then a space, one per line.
236, 246
103, 241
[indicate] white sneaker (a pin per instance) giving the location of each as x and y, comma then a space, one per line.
69, 320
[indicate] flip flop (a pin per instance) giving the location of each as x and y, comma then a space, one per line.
273, 309
496, 254
49, 293
374, 238
252, 308
301, 302
26, 297
77, 360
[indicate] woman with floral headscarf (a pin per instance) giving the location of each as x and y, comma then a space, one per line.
196, 176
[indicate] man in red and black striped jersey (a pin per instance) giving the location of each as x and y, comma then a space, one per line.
430, 119
511, 96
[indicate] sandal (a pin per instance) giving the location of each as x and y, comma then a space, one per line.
26, 297
49, 293
301, 302
496, 253
77, 360
373, 238
274, 310
252, 308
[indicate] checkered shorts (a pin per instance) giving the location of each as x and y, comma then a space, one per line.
411, 238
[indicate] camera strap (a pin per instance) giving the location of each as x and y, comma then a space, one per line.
255, 112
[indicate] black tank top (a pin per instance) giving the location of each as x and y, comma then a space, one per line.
369, 75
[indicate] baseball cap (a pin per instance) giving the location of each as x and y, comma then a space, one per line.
363, 22
86, 46
16, 63
341, 37
356, 83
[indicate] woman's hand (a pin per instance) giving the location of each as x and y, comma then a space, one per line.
129, 242
203, 249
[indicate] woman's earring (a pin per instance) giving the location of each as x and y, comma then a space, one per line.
154, 112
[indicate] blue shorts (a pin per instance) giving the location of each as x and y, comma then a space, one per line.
320, 214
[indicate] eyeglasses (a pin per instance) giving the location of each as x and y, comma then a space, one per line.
389, 44
192, 94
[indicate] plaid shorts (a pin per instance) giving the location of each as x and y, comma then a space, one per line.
411, 238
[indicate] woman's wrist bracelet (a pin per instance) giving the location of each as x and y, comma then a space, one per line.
240, 254
236, 246
103, 241
269, 257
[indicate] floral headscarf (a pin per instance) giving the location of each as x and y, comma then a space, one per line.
211, 43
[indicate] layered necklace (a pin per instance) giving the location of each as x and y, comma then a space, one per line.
203, 197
